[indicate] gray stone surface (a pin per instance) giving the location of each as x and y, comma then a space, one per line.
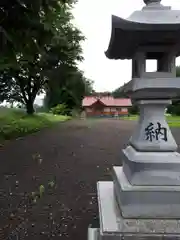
156, 13
112, 222
145, 201
150, 88
151, 1
152, 114
114, 227
151, 168
93, 233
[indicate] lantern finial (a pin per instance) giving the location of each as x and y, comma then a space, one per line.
147, 2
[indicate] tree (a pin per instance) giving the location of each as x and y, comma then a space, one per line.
26, 26
119, 92
45, 51
88, 87
68, 87
175, 107
6, 82
101, 94
24, 84
134, 109
178, 71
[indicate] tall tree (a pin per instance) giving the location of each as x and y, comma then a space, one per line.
68, 86
51, 41
119, 92
175, 107
28, 25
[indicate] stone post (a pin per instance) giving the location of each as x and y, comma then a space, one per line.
143, 200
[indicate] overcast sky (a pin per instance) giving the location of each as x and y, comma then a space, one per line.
93, 18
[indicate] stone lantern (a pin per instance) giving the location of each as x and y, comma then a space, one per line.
143, 200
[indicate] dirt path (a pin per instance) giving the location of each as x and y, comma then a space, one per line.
65, 162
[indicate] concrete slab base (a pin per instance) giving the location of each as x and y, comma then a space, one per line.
114, 226
93, 233
145, 201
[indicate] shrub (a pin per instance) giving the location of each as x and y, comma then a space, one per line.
60, 109
134, 110
174, 109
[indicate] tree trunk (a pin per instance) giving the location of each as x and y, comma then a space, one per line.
30, 107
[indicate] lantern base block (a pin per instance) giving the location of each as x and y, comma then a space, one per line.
145, 201
151, 168
113, 226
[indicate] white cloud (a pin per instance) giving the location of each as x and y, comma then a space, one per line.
93, 17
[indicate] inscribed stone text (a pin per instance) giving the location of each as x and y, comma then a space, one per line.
155, 132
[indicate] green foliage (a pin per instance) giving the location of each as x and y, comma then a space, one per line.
41, 190
119, 92
68, 87
130, 117
174, 109
44, 40
99, 94
88, 90
26, 26
37, 195
16, 123
178, 71
60, 109
173, 121
134, 110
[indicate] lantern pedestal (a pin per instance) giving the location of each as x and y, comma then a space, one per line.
151, 168
114, 226
152, 133
140, 201
143, 200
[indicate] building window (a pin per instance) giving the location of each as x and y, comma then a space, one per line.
88, 109
124, 110
106, 109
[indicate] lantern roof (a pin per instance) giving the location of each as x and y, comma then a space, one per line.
154, 26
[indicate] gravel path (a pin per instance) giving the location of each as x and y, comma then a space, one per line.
48, 180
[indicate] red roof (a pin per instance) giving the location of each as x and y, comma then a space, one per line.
108, 101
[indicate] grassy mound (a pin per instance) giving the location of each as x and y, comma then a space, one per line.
15, 123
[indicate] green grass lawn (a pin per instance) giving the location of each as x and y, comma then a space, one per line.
173, 121
131, 117
16, 123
